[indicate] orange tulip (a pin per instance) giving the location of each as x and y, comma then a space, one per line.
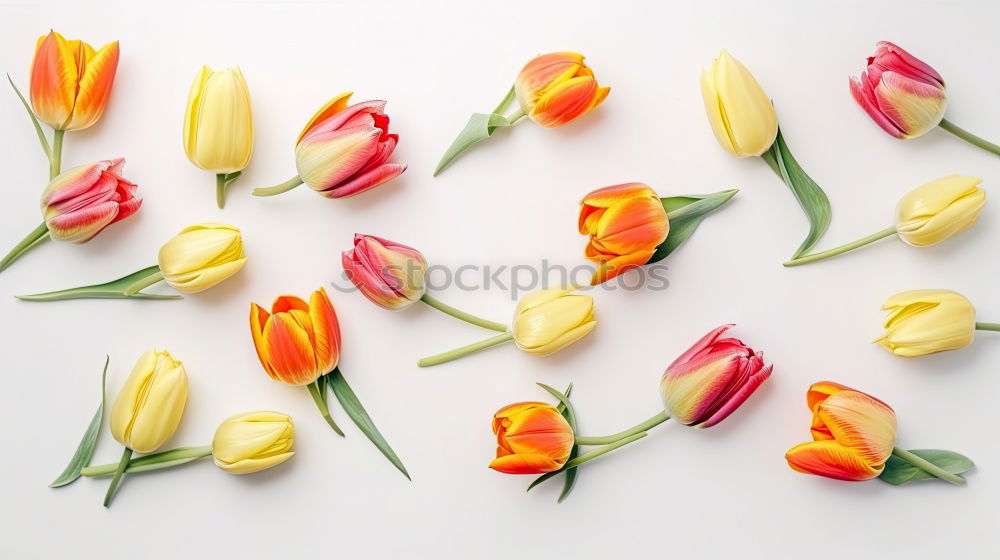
70, 81
296, 342
532, 438
555, 88
853, 434
625, 223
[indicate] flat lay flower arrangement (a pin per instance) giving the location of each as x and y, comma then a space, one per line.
347, 149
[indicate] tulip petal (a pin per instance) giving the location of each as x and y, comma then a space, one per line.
619, 265
865, 97
326, 330
289, 350
832, 460
54, 78
95, 87
860, 422
632, 225
820, 391
332, 107
524, 464
258, 320
325, 160
81, 226
914, 107
567, 101
366, 181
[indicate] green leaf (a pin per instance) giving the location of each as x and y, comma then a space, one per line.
353, 407
85, 451
109, 290
34, 119
566, 409
480, 127
685, 213
810, 196
898, 471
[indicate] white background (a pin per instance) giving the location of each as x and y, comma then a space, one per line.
724, 492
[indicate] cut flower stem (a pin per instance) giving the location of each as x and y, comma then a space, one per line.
927, 466
278, 189
126, 287
806, 259
602, 450
969, 137
613, 438
465, 350
153, 462
988, 326
37, 235
459, 314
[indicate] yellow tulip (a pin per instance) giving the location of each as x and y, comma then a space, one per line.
201, 256
934, 212
922, 322
546, 321
151, 403
253, 441
741, 114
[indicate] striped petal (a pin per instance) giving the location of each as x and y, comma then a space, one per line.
326, 331
567, 101
366, 181
258, 320
332, 107
325, 160
832, 460
95, 86
914, 107
54, 79
618, 265
289, 350
542, 72
523, 463
860, 422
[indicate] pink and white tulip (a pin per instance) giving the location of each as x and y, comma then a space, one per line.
343, 150
389, 274
711, 380
79, 203
901, 93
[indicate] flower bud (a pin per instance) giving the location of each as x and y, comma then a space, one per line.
79, 203
938, 210
389, 274
532, 438
548, 320
556, 88
151, 403
253, 441
626, 223
922, 322
297, 341
218, 123
71, 82
740, 113
201, 256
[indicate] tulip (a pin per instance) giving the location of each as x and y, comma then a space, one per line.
740, 113
79, 204
218, 126
201, 256
532, 438
926, 216
71, 82
547, 321
389, 274
552, 90
626, 223
922, 322
343, 150
253, 441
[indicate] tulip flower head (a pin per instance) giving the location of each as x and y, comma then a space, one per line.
740, 113
901, 93
80, 203
626, 223
532, 438
297, 341
853, 434
922, 322
546, 321
218, 122
71, 82
253, 441
201, 256
712, 379
938, 210
389, 274
556, 88
150, 405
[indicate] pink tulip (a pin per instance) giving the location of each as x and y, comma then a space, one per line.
711, 380
81, 202
901, 93
387, 273
343, 150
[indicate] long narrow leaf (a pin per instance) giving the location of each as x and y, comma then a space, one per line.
85, 451
34, 119
566, 409
685, 214
353, 407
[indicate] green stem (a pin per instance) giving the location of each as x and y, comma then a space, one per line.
126, 287
602, 450
458, 314
116, 480
143, 283
988, 326
464, 350
843, 248
969, 137
641, 427
55, 158
153, 462
220, 189
278, 189
927, 466
516, 115
317, 394
36, 236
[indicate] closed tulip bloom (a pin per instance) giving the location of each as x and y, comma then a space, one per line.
80, 203
389, 274
854, 434
71, 82
253, 441
901, 93
741, 114
712, 379
201, 256
218, 122
922, 322
626, 223
548, 320
532, 438
151, 403
343, 150
556, 88
297, 341
938, 210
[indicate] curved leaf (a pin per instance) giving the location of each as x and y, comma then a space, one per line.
85, 451
685, 213
897, 471
353, 407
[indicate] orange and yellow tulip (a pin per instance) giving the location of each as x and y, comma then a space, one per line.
532, 438
626, 223
296, 342
70, 81
556, 88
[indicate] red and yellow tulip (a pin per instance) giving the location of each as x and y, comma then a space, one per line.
389, 274
556, 88
296, 342
532, 438
80, 203
70, 81
626, 223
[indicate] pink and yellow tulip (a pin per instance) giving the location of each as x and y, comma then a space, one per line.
532, 438
626, 223
556, 88
80, 203
389, 274
70, 81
